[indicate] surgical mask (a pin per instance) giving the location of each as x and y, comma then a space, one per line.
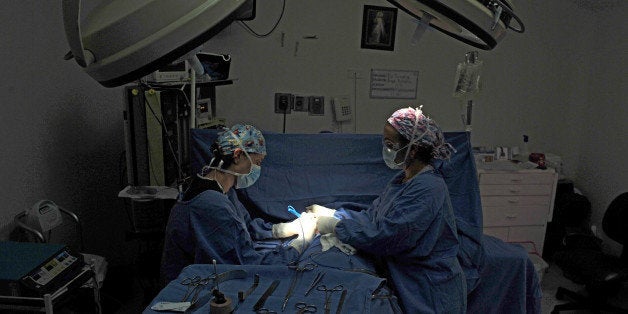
245, 180
389, 156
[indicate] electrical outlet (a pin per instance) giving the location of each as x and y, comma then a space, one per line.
301, 103
317, 105
283, 102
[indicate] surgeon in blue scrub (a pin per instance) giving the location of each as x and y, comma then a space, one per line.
410, 228
209, 222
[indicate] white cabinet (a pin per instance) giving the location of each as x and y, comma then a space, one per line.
517, 203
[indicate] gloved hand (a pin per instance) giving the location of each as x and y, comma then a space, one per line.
307, 230
286, 229
304, 224
326, 224
320, 211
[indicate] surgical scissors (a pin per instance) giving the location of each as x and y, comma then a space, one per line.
194, 287
328, 293
302, 307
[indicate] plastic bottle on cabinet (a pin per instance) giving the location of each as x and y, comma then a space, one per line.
525, 151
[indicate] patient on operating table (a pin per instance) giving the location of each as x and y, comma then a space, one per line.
208, 222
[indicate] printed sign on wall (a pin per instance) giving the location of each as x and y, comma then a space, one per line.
396, 84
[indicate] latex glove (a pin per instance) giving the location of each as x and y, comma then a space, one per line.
307, 231
286, 229
304, 224
326, 224
329, 240
320, 211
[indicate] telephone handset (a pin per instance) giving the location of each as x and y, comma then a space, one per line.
342, 108
45, 214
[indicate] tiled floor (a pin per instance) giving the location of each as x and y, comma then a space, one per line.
553, 278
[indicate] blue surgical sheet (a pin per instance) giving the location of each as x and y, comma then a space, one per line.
365, 293
347, 170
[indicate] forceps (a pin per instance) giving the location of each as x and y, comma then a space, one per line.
293, 283
194, 287
315, 282
328, 293
302, 307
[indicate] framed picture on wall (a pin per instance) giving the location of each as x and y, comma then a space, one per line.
378, 27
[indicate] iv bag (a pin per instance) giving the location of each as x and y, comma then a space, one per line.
468, 79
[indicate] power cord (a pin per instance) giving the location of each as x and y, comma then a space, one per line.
254, 33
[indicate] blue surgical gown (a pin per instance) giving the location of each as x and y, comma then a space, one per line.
216, 226
411, 227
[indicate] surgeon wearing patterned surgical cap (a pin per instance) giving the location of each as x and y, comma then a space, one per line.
410, 228
209, 223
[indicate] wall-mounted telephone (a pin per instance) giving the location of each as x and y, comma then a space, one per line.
342, 108
45, 215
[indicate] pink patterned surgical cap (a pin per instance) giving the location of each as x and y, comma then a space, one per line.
413, 125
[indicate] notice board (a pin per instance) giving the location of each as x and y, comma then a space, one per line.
397, 84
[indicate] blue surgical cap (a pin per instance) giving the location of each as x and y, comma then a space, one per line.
242, 136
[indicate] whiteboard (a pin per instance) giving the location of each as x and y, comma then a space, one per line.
397, 84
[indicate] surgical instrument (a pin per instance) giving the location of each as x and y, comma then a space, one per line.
315, 282
342, 300
302, 307
199, 284
298, 271
328, 293
194, 286
265, 311
293, 211
260, 302
243, 294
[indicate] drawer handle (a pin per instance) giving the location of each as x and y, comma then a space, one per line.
511, 216
513, 191
513, 201
515, 180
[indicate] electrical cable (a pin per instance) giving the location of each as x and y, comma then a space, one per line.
284, 120
187, 99
355, 102
122, 165
250, 30
163, 125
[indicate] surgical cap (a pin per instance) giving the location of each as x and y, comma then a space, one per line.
248, 136
427, 131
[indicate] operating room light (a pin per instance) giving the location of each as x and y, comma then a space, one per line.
479, 23
120, 41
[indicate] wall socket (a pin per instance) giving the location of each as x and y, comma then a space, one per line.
283, 102
317, 105
301, 103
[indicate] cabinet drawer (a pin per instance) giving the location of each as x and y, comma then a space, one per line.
515, 200
498, 232
515, 189
535, 234
514, 215
517, 178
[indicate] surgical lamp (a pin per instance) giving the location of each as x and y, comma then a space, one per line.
120, 41
479, 23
